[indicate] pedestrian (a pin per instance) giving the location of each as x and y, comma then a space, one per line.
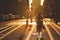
39, 21
26, 25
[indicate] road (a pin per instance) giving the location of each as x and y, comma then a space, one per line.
15, 30
52, 29
7, 28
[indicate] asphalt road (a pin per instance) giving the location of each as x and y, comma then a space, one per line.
19, 30
53, 30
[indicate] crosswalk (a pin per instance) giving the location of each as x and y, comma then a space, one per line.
52, 29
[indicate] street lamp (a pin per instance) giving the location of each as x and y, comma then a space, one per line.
30, 4
41, 2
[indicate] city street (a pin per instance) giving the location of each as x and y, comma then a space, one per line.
19, 30
53, 30
29, 20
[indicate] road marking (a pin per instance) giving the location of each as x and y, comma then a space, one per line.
11, 31
56, 25
7, 29
51, 24
54, 28
30, 33
6, 26
3, 27
50, 35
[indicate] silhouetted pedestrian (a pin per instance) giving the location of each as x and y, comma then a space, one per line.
39, 21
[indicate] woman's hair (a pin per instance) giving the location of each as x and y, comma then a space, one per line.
39, 16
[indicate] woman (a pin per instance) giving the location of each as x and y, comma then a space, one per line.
39, 22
